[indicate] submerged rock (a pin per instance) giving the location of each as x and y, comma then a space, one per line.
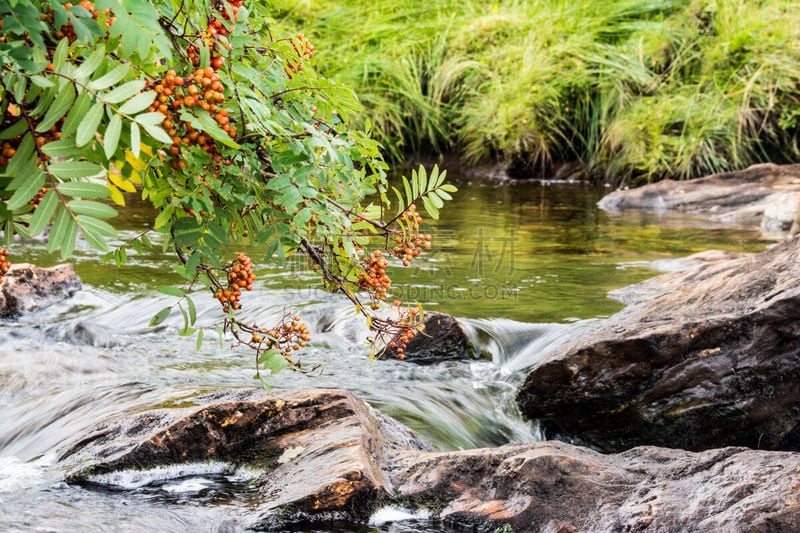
27, 287
765, 196
321, 456
710, 358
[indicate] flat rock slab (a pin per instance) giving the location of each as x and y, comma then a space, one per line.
315, 456
765, 196
709, 357
557, 487
27, 287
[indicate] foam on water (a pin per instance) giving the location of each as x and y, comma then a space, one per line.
389, 514
16, 474
189, 476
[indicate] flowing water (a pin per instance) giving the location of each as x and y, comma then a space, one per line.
524, 266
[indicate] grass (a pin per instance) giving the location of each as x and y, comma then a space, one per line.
635, 90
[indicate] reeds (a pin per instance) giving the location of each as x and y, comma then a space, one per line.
636, 90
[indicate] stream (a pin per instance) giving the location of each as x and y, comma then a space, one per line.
524, 266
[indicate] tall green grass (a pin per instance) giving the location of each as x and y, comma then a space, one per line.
633, 89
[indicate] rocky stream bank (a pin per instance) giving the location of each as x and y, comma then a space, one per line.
679, 413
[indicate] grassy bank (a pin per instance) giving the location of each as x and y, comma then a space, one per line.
633, 89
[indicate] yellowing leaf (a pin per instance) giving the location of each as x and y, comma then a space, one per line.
134, 161
116, 194
117, 179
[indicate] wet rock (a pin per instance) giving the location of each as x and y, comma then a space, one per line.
765, 196
314, 456
710, 357
707, 262
557, 487
443, 338
323, 457
27, 287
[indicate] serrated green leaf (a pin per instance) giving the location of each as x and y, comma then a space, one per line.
273, 360
448, 188
88, 126
23, 160
160, 317
82, 189
110, 78
185, 332
199, 343
130, 39
94, 239
60, 55
43, 213
74, 169
27, 191
20, 87
76, 114
409, 196
92, 209
158, 134
70, 236
192, 310
41, 82
442, 194
149, 118
442, 175
57, 230
136, 140
90, 64
62, 148
124, 91
430, 208
58, 108
138, 103
435, 200
15, 130
111, 137
97, 226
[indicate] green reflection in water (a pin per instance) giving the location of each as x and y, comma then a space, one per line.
533, 252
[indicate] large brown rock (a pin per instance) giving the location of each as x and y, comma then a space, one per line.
765, 196
316, 456
557, 487
27, 287
710, 358
321, 456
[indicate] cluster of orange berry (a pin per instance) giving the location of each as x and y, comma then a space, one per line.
216, 29
240, 276
304, 50
374, 279
408, 249
202, 89
407, 331
4, 264
67, 30
36, 200
9, 147
287, 336
7, 151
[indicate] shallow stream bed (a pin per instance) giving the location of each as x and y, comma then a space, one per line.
524, 266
